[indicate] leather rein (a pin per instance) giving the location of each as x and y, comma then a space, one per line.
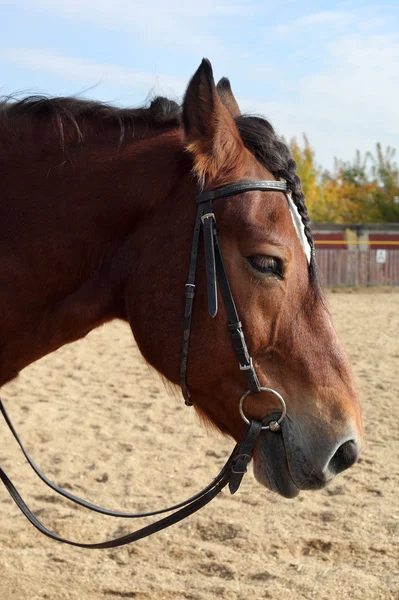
236, 465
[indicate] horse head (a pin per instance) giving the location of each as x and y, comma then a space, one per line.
269, 258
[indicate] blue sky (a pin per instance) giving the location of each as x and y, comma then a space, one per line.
327, 69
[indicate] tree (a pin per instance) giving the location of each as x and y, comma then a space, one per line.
308, 174
361, 191
386, 173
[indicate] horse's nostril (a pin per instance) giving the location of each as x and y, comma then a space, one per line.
345, 457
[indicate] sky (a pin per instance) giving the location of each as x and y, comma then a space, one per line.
326, 69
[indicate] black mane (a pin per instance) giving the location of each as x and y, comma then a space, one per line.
68, 112
160, 110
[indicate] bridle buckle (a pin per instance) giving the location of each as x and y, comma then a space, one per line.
239, 466
210, 215
248, 367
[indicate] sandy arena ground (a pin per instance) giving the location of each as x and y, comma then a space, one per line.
99, 422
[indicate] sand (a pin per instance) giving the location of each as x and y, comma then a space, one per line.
99, 422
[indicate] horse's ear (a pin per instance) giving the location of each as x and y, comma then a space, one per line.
211, 134
227, 97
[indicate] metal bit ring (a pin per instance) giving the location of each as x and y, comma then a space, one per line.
273, 425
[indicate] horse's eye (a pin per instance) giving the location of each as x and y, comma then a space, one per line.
268, 265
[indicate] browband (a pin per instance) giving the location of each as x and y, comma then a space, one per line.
241, 186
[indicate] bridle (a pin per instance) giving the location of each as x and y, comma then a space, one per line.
214, 268
236, 465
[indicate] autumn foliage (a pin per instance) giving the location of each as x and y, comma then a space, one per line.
363, 191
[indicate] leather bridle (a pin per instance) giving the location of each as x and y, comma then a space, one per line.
214, 266
236, 465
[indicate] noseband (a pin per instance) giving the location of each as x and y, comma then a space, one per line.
236, 465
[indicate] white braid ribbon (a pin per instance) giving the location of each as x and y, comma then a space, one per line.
300, 228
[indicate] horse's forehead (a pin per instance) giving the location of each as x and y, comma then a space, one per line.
273, 210
260, 208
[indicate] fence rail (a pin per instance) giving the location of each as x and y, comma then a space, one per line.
358, 267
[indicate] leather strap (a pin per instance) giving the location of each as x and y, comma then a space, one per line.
121, 541
208, 220
242, 186
188, 308
232, 471
243, 455
234, 323
76, 499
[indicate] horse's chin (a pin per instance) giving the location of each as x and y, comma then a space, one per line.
271, 467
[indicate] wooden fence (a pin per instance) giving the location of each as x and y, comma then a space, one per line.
358, 267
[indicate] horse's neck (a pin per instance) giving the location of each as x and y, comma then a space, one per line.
62, 244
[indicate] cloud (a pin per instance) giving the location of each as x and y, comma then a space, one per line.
349, 103
123, 10
91, 73
175, 24
316, 21
337, 79
362, 83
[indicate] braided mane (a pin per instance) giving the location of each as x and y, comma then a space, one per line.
261, 140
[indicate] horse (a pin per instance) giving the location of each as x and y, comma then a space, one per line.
96, 217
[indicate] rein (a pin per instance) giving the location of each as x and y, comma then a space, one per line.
231, 474
236, 465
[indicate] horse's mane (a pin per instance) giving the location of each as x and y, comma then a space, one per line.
80, 120
77, 119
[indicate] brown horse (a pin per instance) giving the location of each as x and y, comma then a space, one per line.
97, 209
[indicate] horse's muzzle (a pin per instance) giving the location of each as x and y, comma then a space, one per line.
294, 460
